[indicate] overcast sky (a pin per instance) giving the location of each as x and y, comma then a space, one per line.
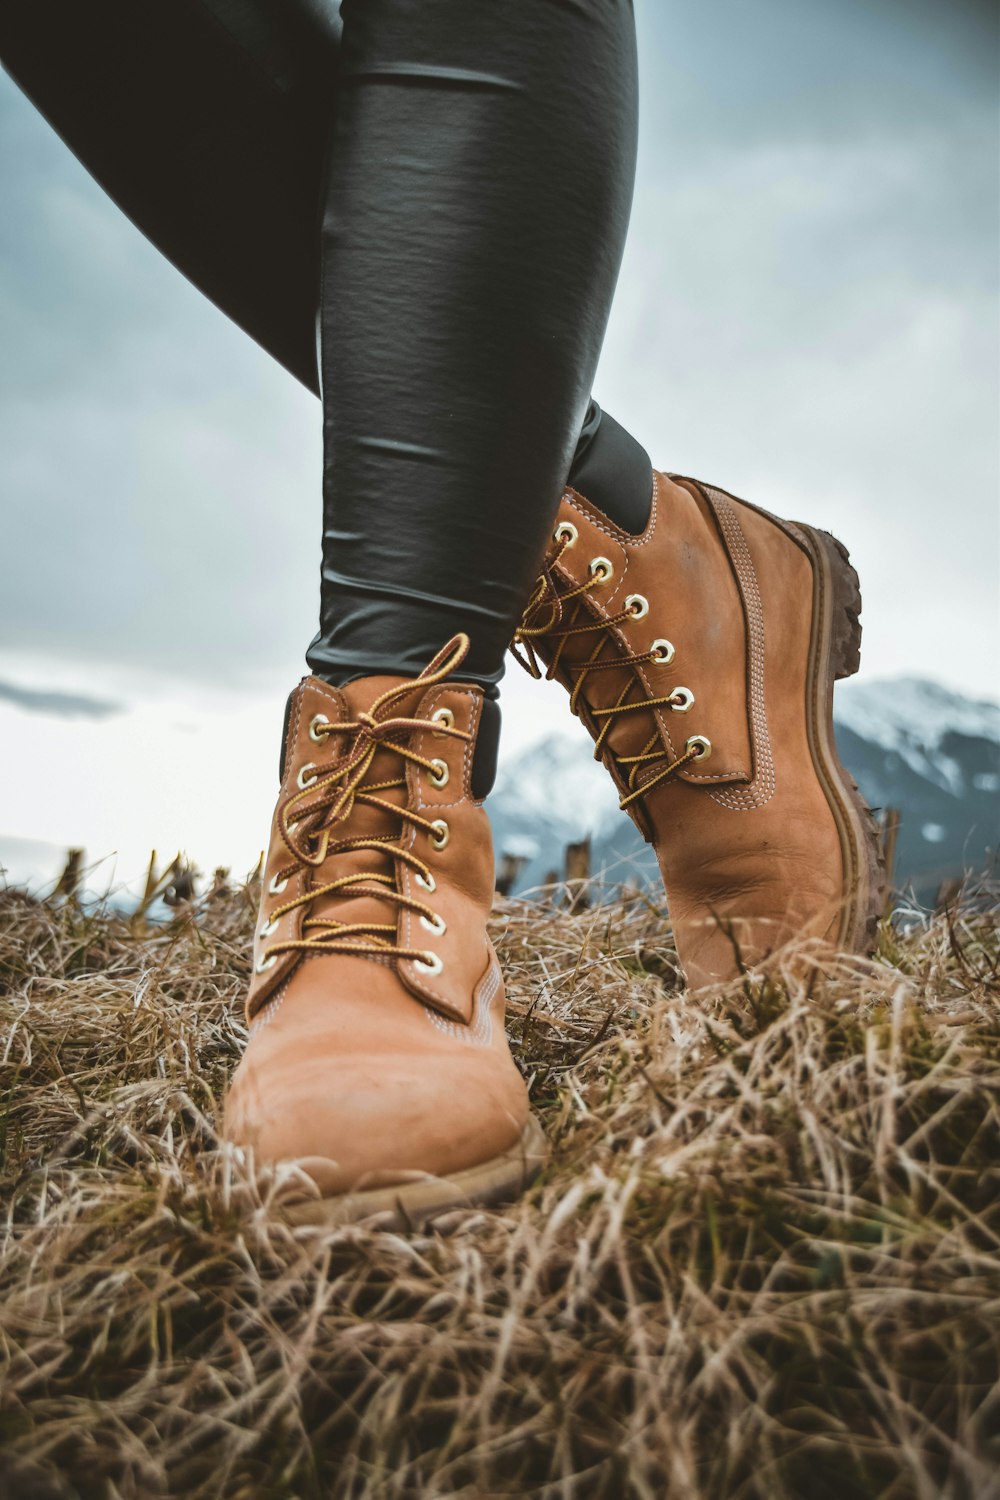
807, 315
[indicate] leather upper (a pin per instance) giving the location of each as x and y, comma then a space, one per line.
746, 839
696, 593
465, 886
364, 1066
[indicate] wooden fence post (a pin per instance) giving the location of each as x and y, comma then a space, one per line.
69, 880
578, 873
182, 887
511, 866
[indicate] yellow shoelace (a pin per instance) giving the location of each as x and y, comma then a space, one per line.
546, 618
309, 820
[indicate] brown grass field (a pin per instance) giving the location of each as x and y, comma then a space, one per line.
762, 1264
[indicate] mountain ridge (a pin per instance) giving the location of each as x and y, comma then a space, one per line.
911, 744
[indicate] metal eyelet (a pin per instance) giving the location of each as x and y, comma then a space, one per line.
686, 698
269, 927
277, 886
637, 605
430, 884
302, 780
263, 964
445, 717
662, 653
442, 832
314, 723
438, 774
565, 532
438, 926
602, 568
430, 963
697, 740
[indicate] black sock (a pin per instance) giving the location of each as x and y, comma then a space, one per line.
613, 471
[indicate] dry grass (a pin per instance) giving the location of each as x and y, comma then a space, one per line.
763, 1262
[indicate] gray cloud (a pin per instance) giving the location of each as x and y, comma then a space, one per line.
742, 71
61, 705
806, 313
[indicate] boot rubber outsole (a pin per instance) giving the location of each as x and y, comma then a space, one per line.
410, 1204
835, 653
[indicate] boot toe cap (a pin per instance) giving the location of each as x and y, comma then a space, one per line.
373, 1119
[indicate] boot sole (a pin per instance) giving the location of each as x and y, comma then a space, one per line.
409, 1205
835, 653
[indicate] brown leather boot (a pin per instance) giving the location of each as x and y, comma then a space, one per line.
377, 1056
701, 656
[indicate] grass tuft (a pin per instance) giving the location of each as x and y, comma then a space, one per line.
763, 1261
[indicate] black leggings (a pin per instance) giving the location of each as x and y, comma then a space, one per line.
441, 190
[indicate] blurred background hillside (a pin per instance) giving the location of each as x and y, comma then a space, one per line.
926, 754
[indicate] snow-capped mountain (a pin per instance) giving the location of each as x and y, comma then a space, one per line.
913, 745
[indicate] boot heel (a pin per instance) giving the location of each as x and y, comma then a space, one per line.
845, 626
837, 654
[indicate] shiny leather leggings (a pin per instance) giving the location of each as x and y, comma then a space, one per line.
447, 184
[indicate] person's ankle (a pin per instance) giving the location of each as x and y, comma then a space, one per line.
613, 471
484, 762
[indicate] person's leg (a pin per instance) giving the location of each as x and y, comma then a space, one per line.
475, 208
475, 214
207, 122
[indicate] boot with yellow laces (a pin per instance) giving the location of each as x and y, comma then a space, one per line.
377, 1057
701, 655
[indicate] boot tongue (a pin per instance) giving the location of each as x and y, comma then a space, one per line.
362, 694
361, 821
